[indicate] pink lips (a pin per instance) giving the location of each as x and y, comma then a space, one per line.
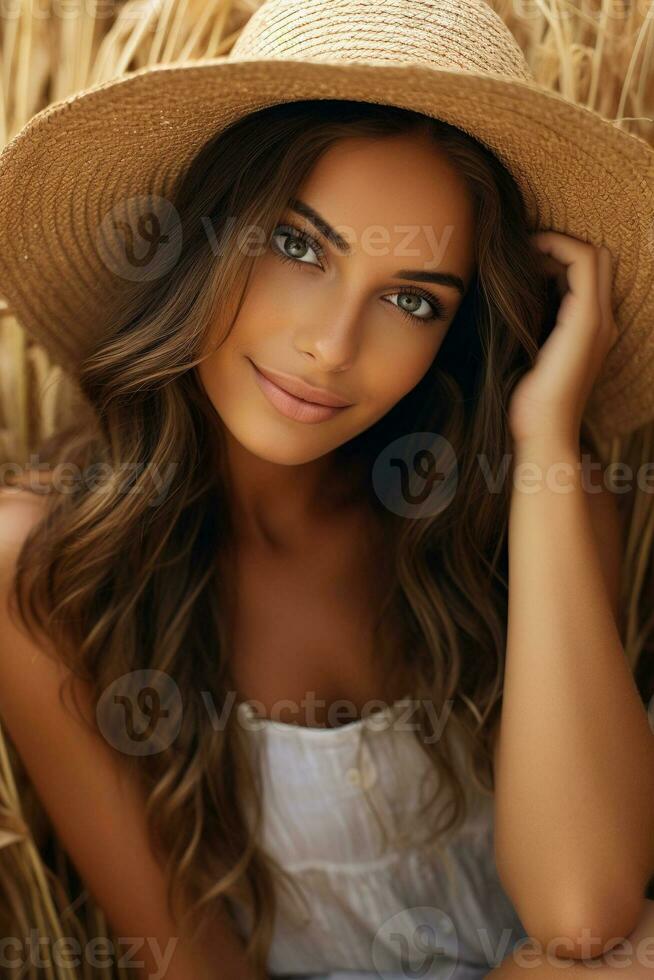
292, 407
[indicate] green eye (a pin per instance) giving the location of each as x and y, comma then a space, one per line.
295, 235
438, 310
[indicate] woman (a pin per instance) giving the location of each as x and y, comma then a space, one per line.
242, 545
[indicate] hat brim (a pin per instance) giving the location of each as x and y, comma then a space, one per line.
135, 135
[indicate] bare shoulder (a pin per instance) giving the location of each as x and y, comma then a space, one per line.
20, 507
20, 512
25, 665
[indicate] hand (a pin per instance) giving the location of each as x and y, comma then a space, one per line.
549, 400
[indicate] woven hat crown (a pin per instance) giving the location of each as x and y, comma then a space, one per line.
464, 34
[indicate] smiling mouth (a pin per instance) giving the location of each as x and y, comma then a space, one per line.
292, 407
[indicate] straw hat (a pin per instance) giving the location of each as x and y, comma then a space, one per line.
82, 161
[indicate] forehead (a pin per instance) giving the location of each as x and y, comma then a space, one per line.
396, 183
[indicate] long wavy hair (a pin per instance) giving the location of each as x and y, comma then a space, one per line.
116, 578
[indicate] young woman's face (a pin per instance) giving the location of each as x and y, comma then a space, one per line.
350, 316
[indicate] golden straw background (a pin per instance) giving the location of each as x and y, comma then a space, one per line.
599, 53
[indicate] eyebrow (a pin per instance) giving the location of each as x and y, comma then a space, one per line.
418, 275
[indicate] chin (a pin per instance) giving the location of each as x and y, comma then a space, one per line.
281, 448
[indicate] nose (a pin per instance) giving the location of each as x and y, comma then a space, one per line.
332, 340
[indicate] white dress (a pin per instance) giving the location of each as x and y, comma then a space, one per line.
339, 815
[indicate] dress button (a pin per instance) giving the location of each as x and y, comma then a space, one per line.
353, 777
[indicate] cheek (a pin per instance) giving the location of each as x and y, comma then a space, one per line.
398, 367
257, 308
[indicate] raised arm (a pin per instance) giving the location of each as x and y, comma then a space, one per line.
575, 756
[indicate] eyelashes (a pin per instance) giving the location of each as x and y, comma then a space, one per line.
289, 231
438, 310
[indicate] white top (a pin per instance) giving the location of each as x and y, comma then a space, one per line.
339, 815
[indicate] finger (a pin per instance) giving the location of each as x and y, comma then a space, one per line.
556, 273
552, 268
563, 248
582, 267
